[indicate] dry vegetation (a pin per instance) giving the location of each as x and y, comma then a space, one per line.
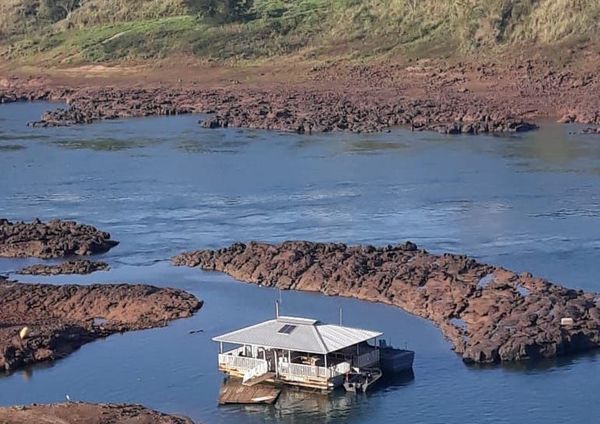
109, 30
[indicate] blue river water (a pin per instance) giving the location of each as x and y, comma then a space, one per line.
164, 185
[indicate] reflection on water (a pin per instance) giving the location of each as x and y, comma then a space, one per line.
216, 143
105, 145
305, 405
164, 185
374, 146
555, 148
11, 147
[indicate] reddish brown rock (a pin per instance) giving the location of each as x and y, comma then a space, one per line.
488, 313
87, 413
471, 96
62, 318
591, 130
301, 110
78, 266
51, 239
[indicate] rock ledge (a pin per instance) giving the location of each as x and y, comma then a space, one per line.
489, 314
62, 318
52, 239
87, 413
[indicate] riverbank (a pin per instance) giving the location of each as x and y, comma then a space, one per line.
488, 313
473, 96
87, 413
60, 319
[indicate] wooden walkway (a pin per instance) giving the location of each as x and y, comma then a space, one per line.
234, 392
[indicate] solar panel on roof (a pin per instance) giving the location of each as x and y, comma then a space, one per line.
286, 329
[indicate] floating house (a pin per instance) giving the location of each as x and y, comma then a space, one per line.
306, 352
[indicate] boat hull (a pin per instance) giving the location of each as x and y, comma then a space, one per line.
396, 361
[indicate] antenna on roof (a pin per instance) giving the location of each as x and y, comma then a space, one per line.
277, 308
341, 314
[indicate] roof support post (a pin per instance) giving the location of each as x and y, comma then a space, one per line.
220, 347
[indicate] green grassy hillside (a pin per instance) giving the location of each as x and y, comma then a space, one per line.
81, 31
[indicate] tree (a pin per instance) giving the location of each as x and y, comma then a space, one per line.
237, 10
57, 10
222, 10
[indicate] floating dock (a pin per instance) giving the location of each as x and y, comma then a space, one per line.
234, 392
305, 353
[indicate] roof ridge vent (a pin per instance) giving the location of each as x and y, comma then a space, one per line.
297, 320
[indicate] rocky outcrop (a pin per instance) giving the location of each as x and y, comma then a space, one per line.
591, 130
473, 96
87, 106
62, 318
506, 125
52, 239
87, 413
318, 112
302, 110
489, 314
78, 266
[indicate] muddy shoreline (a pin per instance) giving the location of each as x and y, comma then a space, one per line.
488, 313
450, 98
60, 319
88, 413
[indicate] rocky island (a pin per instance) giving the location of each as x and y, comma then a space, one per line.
77, 266
488, 313
87, 413
41, 322
51, 239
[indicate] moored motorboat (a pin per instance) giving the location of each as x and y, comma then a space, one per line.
362, 380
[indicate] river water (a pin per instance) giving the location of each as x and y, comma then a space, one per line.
164, 185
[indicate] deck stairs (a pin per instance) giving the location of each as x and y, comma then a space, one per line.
256, 375
259, 379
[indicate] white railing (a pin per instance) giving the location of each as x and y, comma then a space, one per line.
305, 371
257, 371
367, 359
301, 370
240, 362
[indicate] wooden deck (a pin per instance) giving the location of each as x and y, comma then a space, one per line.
233, 392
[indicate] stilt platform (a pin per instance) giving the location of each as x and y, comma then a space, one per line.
234, 392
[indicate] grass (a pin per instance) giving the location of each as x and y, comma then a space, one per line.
114, 30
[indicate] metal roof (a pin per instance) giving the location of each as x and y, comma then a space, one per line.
300, 334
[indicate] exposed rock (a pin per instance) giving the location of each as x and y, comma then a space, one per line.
78, 266
468, 97
488, 313
52, 239
504, 125
591, 130
301, 110
62, 318
87, 413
